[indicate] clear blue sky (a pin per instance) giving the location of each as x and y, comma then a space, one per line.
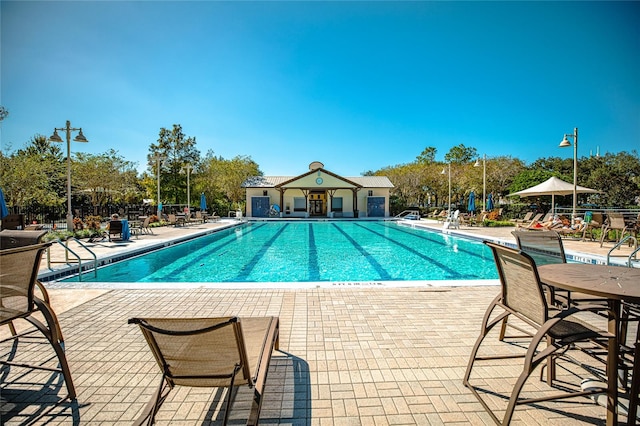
356, 85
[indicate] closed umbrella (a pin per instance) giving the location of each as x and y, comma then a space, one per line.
3, 206
203, 202
472, 202
490, 202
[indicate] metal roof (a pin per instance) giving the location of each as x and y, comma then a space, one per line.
271, 181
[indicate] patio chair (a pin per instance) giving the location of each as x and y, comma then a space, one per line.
615, 222
18, 279
12, 221
142, 227
115, 228
176, 220
596, 222
546, 247
210, 352
522, 297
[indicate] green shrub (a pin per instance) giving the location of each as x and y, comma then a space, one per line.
496, 223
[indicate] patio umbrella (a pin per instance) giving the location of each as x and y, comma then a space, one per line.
3, 206
471, 207
203, 202
490, 202
554, 186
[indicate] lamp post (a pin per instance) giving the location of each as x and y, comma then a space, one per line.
158, 158
449, 210
79, 138
484, 180
565, 143
187, 168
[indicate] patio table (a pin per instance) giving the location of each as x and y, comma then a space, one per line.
614, 283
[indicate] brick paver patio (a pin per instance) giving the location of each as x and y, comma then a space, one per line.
358, 356
350, 356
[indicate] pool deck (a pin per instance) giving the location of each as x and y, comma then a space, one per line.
351, 355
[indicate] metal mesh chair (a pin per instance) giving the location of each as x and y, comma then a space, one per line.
522, 297
210, 352
18, 280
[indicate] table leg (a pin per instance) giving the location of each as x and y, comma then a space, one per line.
612, 363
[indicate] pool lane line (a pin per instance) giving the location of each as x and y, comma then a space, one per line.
248, 268
452, 272
384, 275
313, 268
407, 231
203, 255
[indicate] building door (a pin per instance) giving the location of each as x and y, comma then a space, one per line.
260, 206
316, 207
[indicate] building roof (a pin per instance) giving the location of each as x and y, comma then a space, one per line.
272, 181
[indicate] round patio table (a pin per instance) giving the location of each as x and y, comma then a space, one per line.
613, 283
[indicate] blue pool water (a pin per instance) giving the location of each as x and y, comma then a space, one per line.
309, 252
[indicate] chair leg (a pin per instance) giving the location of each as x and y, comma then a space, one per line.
51, 333
635, 387
149, 413
484, 330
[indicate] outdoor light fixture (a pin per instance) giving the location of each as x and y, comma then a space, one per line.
79, 138
449, 211
158, 158
484, 179
565, 143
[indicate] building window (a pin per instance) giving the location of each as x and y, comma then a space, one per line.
299, 204
264, 193
371, 193
336, 204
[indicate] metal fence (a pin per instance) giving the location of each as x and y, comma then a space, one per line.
56, 217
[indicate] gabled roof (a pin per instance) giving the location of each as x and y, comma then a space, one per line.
289, 181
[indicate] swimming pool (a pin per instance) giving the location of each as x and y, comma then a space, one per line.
341, 251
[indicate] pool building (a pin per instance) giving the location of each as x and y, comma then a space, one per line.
318, 193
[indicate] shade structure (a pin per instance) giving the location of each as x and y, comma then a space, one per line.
490, 202
3, 206
203, 202
554, 186
471, 207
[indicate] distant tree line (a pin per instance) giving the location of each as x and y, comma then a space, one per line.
35, 175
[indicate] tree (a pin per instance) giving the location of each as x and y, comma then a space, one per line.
222, 180
616, 175
461, 154
35, 175
178, 150
3, 113
105, 178
428, 155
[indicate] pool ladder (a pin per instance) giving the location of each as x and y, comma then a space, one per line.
78, 259
630, 239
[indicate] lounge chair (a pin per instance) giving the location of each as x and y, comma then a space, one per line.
210, 352
442, 216
18, 279
522, 297
532, 224
526, 219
